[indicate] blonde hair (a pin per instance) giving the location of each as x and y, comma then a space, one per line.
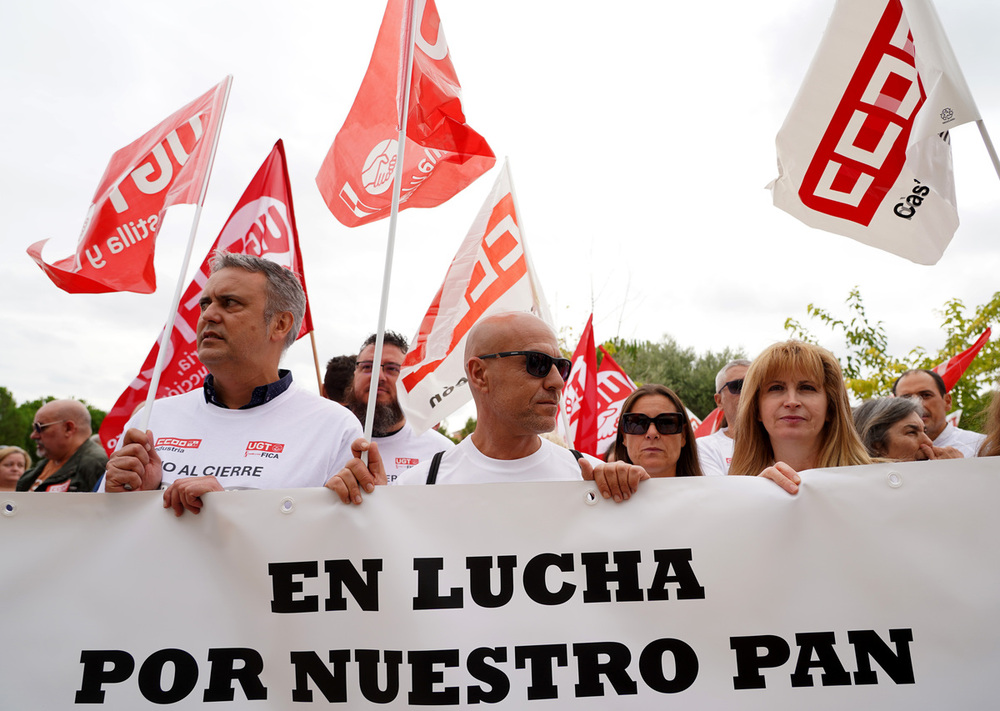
840, 445
7, 451
991, 445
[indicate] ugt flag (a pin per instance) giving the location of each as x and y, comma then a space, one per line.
953, 368
613, 388
443, 154
580, 394
865, 150
490, 274
167, 166
262, 224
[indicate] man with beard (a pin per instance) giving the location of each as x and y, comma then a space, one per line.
399, 446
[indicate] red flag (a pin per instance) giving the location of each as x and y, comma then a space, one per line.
262, 224
865, 150
952, 369
443, 154
710, 424
580, 394
167, 166
613, 388
490, 274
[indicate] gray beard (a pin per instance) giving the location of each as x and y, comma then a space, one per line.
388, 418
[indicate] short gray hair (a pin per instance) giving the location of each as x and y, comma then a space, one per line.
720, 378
874, 417
284, 291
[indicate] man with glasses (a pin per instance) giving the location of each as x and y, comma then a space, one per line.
399, 446
516, 374
715, 451
69, 460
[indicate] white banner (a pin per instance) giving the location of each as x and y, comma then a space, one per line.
875, 588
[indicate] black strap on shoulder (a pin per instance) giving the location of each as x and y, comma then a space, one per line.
576, 454
432, 473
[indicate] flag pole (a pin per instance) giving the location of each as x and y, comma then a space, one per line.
168, 330
543, 305
403, 111
989, 145
319, 378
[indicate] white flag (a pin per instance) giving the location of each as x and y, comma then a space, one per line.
865, 151
490, 274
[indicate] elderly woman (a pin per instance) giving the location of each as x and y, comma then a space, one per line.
794, 415
655, 433
14, 461
893, 428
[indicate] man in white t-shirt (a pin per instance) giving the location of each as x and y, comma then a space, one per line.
929, 387
715, 451
516, 374
399, 446
248, 427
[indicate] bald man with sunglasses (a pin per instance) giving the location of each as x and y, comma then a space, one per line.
516, 374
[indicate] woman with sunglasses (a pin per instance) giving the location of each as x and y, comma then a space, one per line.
655, 433
794, 415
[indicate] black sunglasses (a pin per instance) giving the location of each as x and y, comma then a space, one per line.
735, 386
667, 423
537, 364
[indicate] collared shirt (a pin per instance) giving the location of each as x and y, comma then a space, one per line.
261, 394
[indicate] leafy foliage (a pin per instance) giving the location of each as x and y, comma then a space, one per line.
870, 370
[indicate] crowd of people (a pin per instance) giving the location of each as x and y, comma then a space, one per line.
251, 427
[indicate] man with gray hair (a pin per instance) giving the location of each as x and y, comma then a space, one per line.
69, 461
715, 451
248, 427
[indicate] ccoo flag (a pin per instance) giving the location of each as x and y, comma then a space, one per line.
167, 166
865, 150
443, 154
490, 274
613, 388
261, 224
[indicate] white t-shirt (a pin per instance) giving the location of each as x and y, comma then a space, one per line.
966, 442
405, 449
715, 452
465, 464
296, 440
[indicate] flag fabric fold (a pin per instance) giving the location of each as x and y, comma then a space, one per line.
580, 394
443, 154
491, 273
865, 150
261, 224
953, 368
711, 423
167, 166
613, 388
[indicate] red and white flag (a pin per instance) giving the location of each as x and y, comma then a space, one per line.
262, 224
865, 150
443, 154
491, 273
167, 166
711, 423
953, 368
613, 388
580, 394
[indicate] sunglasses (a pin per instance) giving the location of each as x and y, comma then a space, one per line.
735, 386
667, 423
537, 364
39, 428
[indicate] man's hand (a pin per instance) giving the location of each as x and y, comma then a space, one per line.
186, 493
784, 476
355, 476
136, 466
615, 480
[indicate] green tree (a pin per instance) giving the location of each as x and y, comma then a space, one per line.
870, 369
15, 420
690, 375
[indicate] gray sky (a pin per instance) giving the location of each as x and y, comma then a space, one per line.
640, 135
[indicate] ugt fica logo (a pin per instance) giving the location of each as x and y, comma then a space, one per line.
376, 175
265, 450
